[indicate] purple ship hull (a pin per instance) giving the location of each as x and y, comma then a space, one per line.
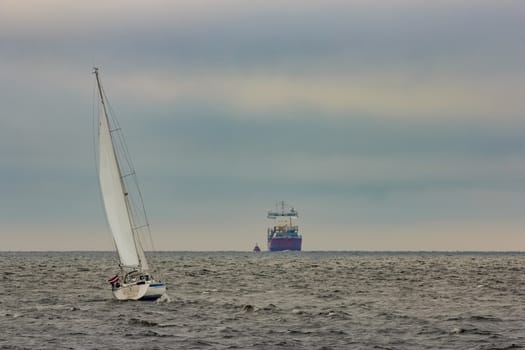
277, 244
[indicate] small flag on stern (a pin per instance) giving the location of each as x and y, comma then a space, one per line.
113, 279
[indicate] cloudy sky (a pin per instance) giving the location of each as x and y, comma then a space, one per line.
389, 125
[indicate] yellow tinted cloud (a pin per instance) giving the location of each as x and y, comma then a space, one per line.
388, 96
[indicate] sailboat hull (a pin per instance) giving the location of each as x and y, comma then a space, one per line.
145, 291
155, 291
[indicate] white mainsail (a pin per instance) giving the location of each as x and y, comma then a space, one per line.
114, 197
117, 206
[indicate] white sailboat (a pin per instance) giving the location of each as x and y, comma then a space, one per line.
124, 210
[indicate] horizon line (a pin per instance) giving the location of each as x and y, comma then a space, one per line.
266, 251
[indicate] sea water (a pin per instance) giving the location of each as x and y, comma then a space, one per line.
301, 300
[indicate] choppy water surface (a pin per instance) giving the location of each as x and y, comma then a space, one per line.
268, 301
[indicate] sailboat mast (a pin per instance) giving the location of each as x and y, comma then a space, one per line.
95, 71
141, 256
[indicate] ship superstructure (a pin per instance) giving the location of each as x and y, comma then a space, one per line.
284, 234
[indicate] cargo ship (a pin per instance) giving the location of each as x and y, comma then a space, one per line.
284, 235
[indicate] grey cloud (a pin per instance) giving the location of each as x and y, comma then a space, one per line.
202, 129
478, 36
